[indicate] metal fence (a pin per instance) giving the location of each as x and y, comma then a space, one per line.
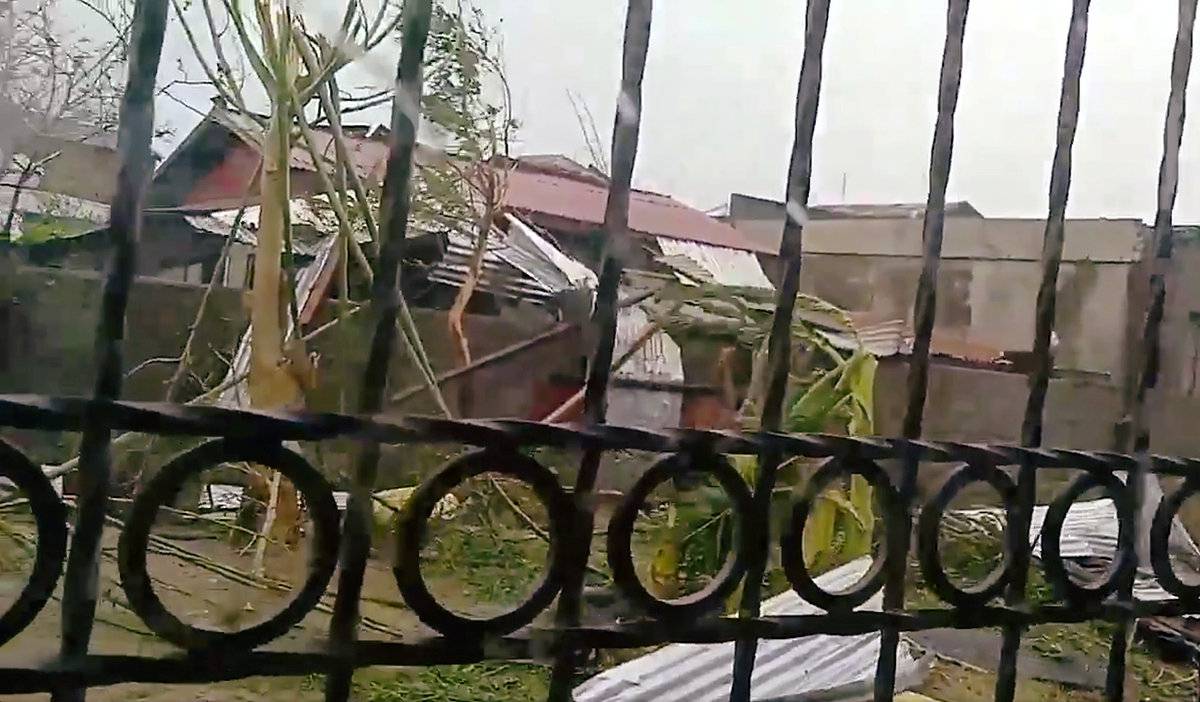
997, 601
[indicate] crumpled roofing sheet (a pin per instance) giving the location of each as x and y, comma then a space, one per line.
842, 666
312, 211
1090, 531
518, 263
658, 359
732, 267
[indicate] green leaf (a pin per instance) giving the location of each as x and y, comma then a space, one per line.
845, 506
747, 467
858, 538
819, 531
862, 389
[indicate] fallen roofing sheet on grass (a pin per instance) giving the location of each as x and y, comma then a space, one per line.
838, 667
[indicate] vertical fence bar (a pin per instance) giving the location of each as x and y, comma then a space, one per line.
1039, 382
386, 303
1168, 188
626, 127
924, 313
134, 134
779, 344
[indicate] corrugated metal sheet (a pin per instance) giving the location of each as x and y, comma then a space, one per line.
50, 205
882, 340
517, 264
895, 338
497, 276
312, 212
531, 250
238, 395
564, 195
659, 358
783, 669
658, 361
1090, 532
732, 267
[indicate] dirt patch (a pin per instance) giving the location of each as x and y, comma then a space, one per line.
953, 682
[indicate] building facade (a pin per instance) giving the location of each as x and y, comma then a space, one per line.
867, 259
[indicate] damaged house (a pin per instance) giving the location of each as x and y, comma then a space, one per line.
555, 207
529, 310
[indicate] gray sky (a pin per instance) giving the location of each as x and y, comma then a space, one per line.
721, 81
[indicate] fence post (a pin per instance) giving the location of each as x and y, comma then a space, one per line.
385, 303
616, 244
1031, 427
924, 313
779, 344
134, 134
1139, 475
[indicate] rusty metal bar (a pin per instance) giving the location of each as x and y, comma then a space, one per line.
924, 313
68, 414
487, 360
385, 302
626, 128
779, 344
110, 669
1168, 189
1031, 427
137, 165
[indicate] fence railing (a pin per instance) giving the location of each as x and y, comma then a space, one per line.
259, 437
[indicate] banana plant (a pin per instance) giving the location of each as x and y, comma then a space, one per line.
835, 395
842, 522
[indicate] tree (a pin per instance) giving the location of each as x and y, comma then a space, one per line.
293, 66
470, 183
57, 83
297, 70
56, 80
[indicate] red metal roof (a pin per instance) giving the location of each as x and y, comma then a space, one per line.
575, 197
367, 153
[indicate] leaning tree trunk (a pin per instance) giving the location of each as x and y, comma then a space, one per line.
271, 383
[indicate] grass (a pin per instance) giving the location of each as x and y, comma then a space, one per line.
1155, 679
972, 556
480, 682
486, 554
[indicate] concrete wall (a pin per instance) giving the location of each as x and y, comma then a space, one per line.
990, 301
988, 279
1113, 240
82, 170
87, 171
967, 404
47, 322
54, 312
1181, 350
978, 238
973, 405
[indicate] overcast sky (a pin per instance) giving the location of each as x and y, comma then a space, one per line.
721, 81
